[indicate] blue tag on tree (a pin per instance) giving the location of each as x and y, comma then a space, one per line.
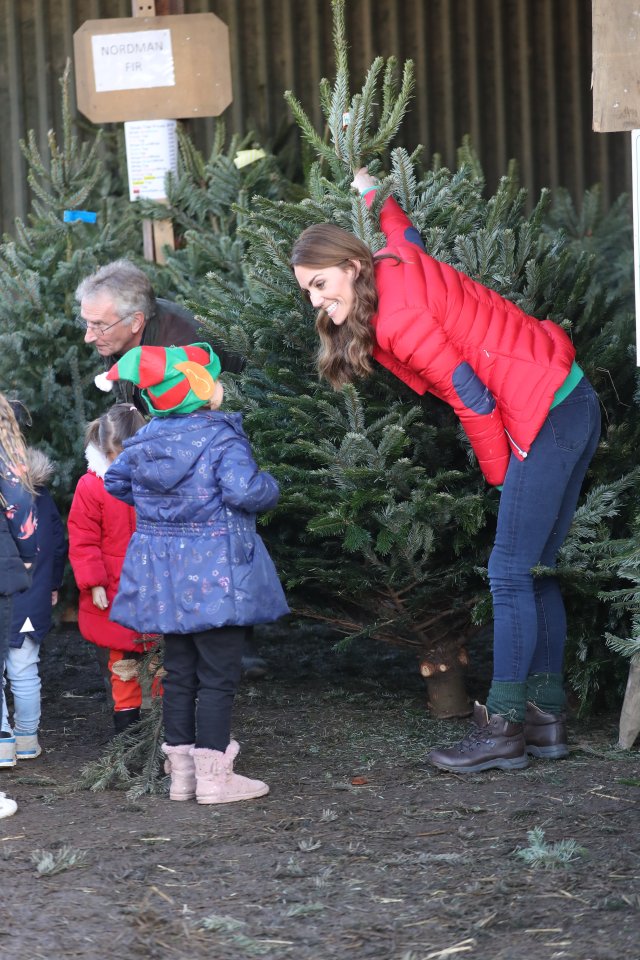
86, 216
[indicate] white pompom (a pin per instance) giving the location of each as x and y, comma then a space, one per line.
102, 383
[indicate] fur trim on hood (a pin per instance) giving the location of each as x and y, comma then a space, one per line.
40, 467
96, 460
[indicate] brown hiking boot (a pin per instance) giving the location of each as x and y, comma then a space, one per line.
545, 734
493, 742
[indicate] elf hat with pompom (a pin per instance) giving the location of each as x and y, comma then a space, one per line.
172, 379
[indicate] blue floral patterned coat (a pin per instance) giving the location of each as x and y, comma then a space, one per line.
195, 561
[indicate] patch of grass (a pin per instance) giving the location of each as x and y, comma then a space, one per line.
50, 862
304, 909
323, 878
232, 928
523, 814
35, 780
221, 924
252, 947
289, 869
307, 846
539, 853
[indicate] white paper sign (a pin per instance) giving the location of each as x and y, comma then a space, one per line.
635, 173
131, 61
152, 150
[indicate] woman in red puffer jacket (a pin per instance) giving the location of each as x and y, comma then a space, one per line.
533, 421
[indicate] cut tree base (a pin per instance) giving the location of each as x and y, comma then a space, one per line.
447, 694
630, 714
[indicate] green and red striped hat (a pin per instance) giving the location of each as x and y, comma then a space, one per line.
172, 379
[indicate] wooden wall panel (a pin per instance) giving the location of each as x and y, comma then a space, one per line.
514, 74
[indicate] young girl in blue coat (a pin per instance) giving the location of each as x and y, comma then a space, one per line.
196, 570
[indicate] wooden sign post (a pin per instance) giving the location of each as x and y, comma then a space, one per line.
616, 94
150, 68
616, 107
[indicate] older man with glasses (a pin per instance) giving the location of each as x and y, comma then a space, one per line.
119, 311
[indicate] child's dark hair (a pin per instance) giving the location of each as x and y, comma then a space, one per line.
109, 431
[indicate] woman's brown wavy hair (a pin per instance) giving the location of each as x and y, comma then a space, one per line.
345, 351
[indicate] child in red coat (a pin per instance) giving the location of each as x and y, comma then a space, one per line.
100, 528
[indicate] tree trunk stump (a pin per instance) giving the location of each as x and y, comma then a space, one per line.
446, 691
630, 714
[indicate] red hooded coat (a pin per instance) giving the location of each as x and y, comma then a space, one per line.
441, 332
100, 528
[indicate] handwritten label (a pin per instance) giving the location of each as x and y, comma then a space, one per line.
131, 61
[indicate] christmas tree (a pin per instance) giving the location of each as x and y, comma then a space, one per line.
43, 360
599, 604
385, 524
205, 201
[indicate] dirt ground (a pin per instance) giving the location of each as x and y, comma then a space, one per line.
360, 850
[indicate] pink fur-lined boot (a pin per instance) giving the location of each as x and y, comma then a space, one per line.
179, 764
217, 783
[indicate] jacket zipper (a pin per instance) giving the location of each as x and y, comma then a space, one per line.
515, 446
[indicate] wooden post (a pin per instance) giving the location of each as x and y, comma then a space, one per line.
616, 107
107, 92
630, 714
157, 234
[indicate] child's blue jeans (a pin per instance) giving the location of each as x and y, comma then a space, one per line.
21, 670
537, 505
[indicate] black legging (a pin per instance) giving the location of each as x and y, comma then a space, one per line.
203, 673
6, 607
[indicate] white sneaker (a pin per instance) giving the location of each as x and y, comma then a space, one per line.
27, 746
7, 752
7, 807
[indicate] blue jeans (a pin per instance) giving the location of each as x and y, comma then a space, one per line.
21, 668
537, 505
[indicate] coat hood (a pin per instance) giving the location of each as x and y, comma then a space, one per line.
166, 451
40, 467
96, 460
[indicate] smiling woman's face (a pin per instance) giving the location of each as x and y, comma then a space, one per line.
330, 288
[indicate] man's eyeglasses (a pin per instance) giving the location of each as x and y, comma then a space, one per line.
99, 328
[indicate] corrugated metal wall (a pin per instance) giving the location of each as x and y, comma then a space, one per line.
515, 74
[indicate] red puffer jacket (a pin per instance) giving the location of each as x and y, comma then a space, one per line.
100, 528
440, 331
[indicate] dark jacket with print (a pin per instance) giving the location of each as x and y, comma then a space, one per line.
17, 531
32, 607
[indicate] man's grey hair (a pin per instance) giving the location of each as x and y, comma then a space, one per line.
128, 288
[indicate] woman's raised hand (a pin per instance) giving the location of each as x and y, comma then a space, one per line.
362, 180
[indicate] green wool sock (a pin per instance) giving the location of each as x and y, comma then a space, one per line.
546, 690
507, 699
